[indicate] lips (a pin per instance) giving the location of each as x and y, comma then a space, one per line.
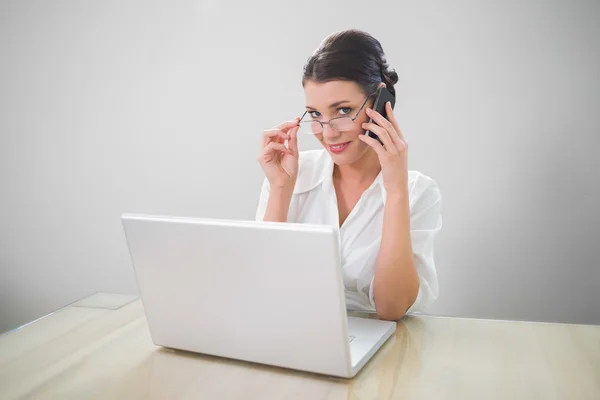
338, 148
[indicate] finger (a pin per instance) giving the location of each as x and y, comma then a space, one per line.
293, 142
281, 128
382, 134
374, 144
274, 135
287, 125
382, 122
393, 120
275, 147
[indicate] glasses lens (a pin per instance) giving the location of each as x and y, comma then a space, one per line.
310, 127
342, 124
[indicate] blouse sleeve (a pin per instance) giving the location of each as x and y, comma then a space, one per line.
425, 222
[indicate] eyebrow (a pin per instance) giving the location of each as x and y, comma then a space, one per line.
333, 105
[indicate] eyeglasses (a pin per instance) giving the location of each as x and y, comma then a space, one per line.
340, 124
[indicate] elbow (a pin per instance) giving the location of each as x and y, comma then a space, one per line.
395, 310
392, 311
390, 314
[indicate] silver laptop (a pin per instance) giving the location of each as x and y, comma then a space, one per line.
263, 292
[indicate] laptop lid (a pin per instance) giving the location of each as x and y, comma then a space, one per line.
264, 292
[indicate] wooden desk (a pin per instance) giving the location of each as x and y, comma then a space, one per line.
96, 350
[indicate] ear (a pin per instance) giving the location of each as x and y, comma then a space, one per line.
382, 84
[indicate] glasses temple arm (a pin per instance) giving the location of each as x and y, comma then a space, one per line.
363, 106
301, 118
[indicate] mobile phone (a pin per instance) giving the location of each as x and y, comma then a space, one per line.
383, 96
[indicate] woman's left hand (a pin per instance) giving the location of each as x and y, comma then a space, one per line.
393, 153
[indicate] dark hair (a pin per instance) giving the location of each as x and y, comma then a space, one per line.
351, 55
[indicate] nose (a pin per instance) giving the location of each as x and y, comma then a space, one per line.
329, 133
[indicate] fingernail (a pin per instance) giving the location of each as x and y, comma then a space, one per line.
368, 111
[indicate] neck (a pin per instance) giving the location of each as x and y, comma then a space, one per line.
362, 171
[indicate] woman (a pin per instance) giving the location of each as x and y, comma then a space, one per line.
388, 216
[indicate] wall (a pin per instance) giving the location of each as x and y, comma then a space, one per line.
111, 107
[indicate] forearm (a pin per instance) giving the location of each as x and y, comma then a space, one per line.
396, 282
278, 204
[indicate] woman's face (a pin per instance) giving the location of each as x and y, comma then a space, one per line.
325, 101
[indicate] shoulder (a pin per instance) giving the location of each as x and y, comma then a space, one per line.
422, 188
419, 181
312, 166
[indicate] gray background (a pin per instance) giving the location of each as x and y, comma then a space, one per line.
157, 107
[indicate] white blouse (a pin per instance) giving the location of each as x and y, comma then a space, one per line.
314, 202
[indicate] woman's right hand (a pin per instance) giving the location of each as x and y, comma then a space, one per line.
280, 163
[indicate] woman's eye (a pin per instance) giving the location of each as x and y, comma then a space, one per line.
343, 111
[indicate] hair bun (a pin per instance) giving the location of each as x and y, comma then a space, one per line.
390, 77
